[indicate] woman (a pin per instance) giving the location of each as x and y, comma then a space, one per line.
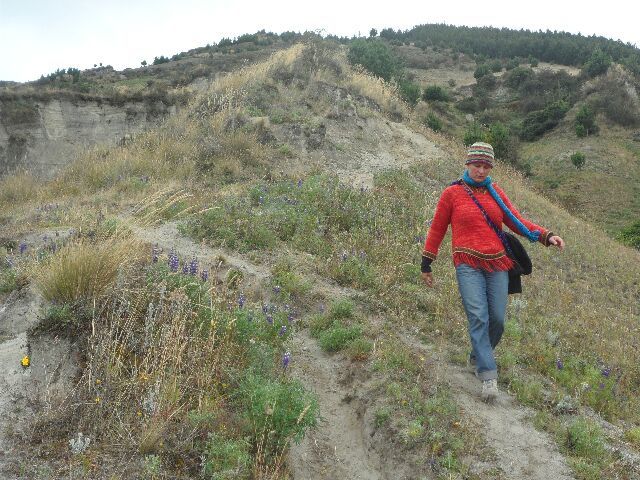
479, 255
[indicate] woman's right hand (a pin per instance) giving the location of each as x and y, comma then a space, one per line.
427, 278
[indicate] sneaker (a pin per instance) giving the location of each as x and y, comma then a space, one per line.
489, 390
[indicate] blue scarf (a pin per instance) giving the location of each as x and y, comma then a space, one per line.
532, 236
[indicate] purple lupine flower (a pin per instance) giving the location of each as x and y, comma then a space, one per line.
363, 255
193, 266
345, 255
299, 183
606, 371
286, 358
559, 364
174, 261
185, 268
270, 319
601, 386
241, 300
265, 308
261, 200
283, 330
22, 247
155, 253
204, 275
276, 289
290, 317
273, 308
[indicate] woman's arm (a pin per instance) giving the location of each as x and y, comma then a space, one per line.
545, 235
437, 230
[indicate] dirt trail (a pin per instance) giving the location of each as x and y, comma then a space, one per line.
523, 452
341, 446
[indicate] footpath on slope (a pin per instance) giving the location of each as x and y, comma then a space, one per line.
341, 446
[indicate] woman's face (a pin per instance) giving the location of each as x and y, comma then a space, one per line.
478, 171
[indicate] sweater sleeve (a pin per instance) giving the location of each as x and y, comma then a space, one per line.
437, 230
544, 233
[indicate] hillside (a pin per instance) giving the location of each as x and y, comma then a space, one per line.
235, 294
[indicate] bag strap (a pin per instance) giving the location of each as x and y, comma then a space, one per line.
498, 231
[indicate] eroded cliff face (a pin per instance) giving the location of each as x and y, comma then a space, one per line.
43, 135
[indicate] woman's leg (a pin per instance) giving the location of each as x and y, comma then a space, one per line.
473, 290
497, 293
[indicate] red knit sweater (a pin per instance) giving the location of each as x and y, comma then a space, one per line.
474, 242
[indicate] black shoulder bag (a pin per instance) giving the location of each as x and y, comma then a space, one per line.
515, 250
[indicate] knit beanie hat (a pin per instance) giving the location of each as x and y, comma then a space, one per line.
480, 152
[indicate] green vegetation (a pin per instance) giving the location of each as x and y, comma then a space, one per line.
433, 122
538, 122
585, 123
435, 93
631, 235
578, 159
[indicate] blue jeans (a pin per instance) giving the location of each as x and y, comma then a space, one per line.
484, 297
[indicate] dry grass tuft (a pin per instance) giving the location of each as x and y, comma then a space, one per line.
81, 273
18, 188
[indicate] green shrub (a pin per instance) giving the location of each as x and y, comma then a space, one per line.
435, 93
578, 159
375, 56
585, 122
8, 280
282, 408
631, 235
342, 309
538, 122
226, 459
360, 348
338, 336
433, 122
481, 71
518, 76
495, 65
503, 142
474, 133
410, 92
597, 64
584, 439
512, 63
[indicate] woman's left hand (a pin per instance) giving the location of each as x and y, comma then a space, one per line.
557, 241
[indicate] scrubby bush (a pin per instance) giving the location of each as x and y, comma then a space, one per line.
375, 56
585, 122
433, 122
495, 66
474, 133
597, 64
517, 76
512, 63
410, 92
435, 93
578, 159
160, 59
631, 236
503, 142
482, 70
538, 122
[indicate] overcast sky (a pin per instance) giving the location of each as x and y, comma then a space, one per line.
38, 36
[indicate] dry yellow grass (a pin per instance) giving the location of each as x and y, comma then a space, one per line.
82, 272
